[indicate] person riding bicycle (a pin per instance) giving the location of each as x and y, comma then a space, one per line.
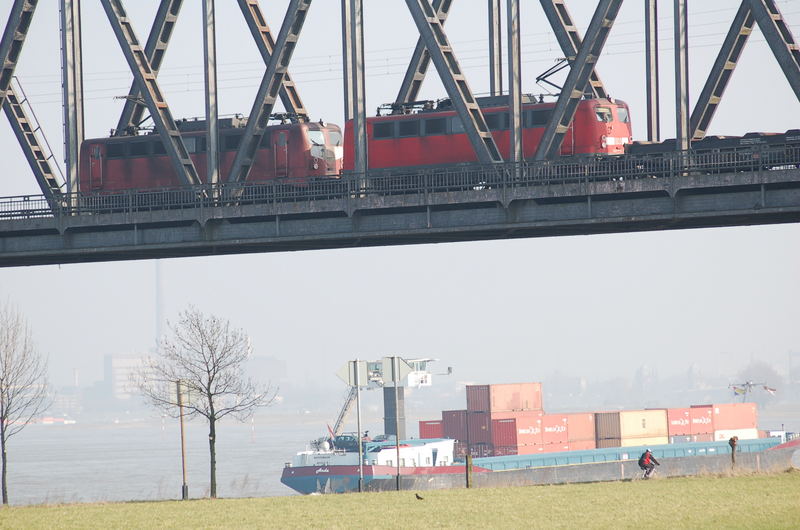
647, 462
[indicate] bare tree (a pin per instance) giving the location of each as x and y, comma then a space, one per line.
23, 381
206, 356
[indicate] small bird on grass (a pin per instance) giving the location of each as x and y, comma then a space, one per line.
418, 496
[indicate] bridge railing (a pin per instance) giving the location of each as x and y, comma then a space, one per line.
410, 181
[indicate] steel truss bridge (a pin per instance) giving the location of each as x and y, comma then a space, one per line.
505, 196
473, 202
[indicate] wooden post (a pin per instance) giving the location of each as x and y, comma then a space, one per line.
469, 470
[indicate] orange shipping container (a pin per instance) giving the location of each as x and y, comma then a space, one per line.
555, 448
431, 429
729, 416
679, 422
504, 397
582, 445
517, 431
555, 428
580, 427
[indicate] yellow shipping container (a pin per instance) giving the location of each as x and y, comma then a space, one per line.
644, 440
643, 423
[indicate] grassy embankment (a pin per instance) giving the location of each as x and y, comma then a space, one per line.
751, 501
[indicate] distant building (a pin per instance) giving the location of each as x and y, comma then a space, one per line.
118, 371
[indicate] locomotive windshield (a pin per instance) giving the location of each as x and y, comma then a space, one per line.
622, 114
335, 137
603, 114
316, 137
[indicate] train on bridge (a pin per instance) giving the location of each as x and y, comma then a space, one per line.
412, 138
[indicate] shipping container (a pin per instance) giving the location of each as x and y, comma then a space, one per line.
606, 426
643, 423
555, 429
525, 430
702, 418
516, 414
504, 397
743, 434
735, 416
704, 437
679, 422
531, 449
602, 443
644, 440
454, 424
479, 426
431, 429
582, 445
555, 448
580, 427
681, 439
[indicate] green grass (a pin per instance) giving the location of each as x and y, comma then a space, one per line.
748, 501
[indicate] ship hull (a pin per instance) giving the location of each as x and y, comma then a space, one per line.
344, 479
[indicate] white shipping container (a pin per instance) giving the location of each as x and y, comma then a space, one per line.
743, 434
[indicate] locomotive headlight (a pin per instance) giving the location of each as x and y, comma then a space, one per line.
603, 141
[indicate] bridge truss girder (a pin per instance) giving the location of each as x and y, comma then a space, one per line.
268, 91
153, 96
13, 39
154, 50
262, 35
569, 39
579, 74
454, 81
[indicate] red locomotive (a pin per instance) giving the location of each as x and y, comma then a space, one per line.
295, 152
435, 136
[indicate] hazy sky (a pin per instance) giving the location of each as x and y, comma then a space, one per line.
496, 311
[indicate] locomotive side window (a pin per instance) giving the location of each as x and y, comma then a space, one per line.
384, 129
622, 114
232, 141
140, 148
496, 121
536, 118
158, 148
455, 125
408, 128
115, 150
603, 114
435, 126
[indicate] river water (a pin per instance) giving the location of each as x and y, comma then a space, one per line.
141, 460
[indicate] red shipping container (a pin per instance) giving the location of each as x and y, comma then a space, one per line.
580, 427
554, 428
730, 416
702, 419
431, 429
582, 445
555, 448
516, 414
679, 422
504, 397
532, 449
504, 433
454, 424
480, 427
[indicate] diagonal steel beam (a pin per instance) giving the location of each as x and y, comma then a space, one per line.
721, 72
579, 74
17, 26
454, 81
780, 40
266, 45
155, 49
269, 89
420, 59
33, 144
569, 39
146, 79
